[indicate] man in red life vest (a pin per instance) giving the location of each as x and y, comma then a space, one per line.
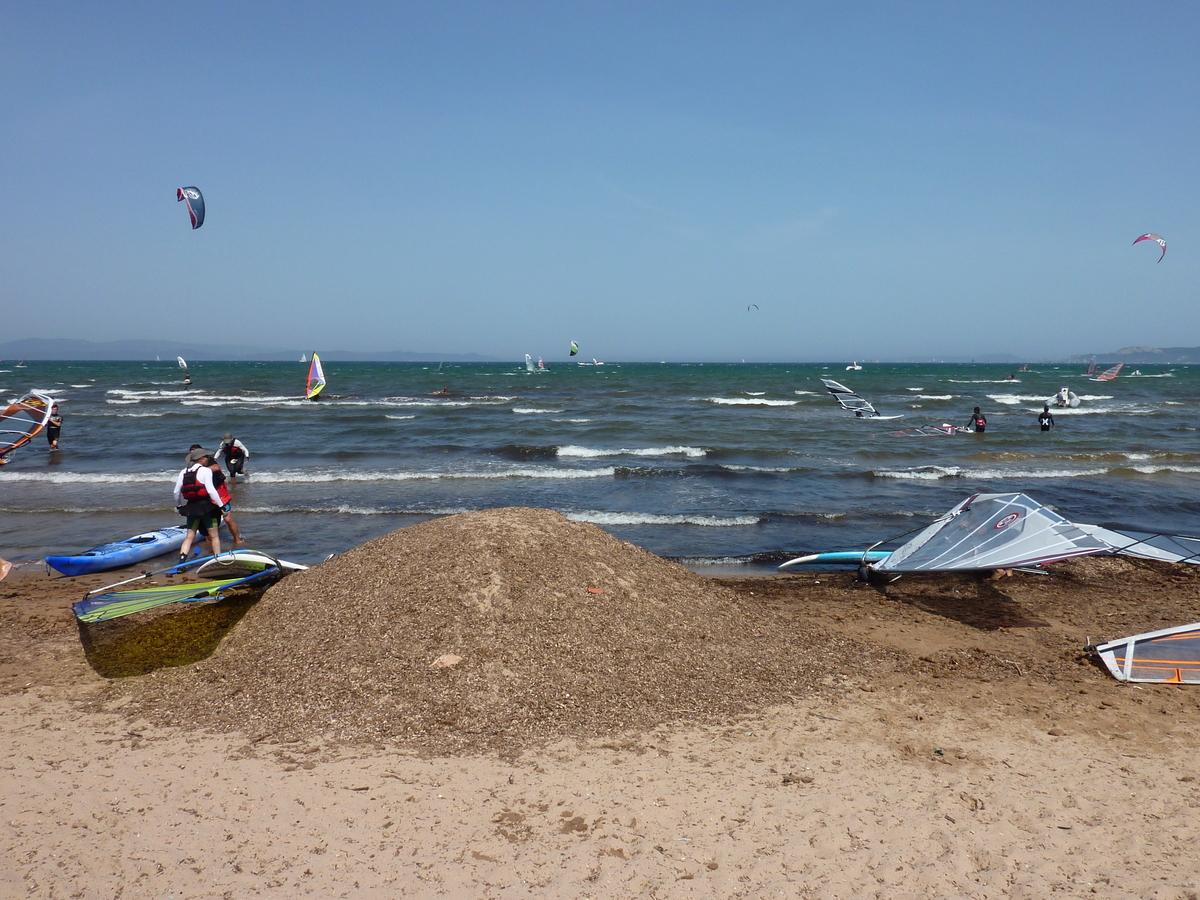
196, 499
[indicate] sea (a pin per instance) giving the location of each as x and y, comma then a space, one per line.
729, 468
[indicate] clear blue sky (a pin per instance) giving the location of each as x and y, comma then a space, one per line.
881, 179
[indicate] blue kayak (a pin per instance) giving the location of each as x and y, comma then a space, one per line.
122, 553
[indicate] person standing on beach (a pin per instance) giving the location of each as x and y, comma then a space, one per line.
235, 454
977, 422
1045, 418
197, 500
53, 427
227, 507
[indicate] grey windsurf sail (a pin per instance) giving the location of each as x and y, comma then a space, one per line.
849, 400
1169, 656
992, 531
1148, 544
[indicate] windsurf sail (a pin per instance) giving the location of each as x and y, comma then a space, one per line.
1158, 239
574, 348
182, 362
529, 366
1175, 548
1169, 656
1110, 374
22, 420
195, 204
316, 378
1091, 367
931, 430
116, 604
992, 531
849, 400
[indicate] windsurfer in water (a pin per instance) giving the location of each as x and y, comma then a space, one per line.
977, 422
235, 453
53, 427
1045, 418
187, 380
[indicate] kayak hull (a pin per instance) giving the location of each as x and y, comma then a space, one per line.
116, 555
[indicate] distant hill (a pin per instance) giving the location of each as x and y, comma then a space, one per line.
61, 348
1155, 356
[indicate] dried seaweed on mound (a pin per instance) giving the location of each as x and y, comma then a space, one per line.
562, 630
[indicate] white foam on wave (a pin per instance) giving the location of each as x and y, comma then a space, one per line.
400, 418
302, 476
88, 477
935, 396
809, 393
597, 517
744, 401
936, 473
574, 421
531, 411
593, 452
346, 509
1157, 470
774, 469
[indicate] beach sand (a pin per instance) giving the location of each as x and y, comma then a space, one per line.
801, 735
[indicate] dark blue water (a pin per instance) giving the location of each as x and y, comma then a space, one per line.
720, 462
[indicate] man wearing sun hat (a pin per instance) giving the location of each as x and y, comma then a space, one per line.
196, 499
235, 454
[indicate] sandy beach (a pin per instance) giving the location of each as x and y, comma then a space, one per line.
616, 726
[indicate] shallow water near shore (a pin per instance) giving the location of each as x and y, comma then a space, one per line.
723, 465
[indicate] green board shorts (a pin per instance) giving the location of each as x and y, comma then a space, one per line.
204, 523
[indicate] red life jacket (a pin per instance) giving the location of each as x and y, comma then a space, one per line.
192, 489
233, 451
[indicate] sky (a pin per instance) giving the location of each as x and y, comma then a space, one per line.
880, 180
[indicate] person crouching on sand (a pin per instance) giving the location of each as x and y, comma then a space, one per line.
197, 500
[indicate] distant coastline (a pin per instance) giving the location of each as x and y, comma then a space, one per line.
63, 349
137, 350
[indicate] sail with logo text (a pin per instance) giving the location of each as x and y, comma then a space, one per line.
992, 531
316, 379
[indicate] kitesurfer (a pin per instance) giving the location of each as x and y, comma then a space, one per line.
1045, 419
235, 453
978, 421
53, 427
197, 500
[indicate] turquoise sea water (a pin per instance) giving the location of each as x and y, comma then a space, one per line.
723, 463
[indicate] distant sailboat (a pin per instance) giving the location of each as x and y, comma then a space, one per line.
21, 364
854, 367
316, 378
303, 357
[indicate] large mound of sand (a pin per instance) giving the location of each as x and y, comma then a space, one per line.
562, 630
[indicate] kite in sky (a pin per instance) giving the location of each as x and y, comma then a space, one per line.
1158, 239
195, 204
